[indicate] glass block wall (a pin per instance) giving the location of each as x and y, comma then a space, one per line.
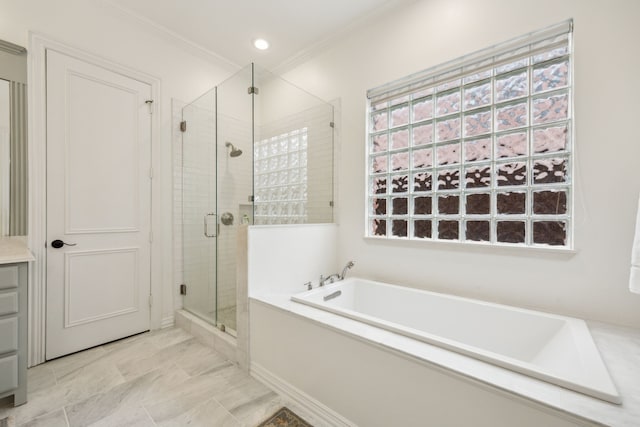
483, 157
280, 166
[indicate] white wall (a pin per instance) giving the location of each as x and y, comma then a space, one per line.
98, 28
419, 34
282, 258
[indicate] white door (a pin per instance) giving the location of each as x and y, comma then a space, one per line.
98, 200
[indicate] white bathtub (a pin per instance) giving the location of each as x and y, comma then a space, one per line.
553, 348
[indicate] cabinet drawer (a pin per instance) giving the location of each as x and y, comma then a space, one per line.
8, 303
8, 335
9, 277
8, 373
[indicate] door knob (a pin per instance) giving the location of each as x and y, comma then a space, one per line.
57, 244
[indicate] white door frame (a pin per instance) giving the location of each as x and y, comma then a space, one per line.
38, 45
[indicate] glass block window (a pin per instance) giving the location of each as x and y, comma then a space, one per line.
281, 178
478, 149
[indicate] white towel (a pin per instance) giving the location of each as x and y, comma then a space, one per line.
634, 277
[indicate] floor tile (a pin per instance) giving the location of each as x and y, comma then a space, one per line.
168, 337
201, 360
198, 388
119, 352
67, 364
128, 417
40, 377
149, 387
191, 356
53, 419
90, 379
184, 396
207, 413
163, 378
253, 412
244, 394
76, 386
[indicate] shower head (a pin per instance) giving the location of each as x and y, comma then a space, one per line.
235, 152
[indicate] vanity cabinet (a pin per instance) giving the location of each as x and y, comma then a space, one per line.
13, 331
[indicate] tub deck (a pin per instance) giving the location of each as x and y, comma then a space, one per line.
618, 345
556, 349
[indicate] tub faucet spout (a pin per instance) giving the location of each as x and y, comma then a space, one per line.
349, 265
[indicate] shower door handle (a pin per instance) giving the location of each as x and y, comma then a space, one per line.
206, 224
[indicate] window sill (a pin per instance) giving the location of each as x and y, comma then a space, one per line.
504, 248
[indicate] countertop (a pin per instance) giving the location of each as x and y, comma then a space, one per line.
14, 249
618, 346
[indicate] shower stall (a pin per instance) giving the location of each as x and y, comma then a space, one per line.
255, 150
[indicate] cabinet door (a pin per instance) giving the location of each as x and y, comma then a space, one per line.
8, 277
8, 373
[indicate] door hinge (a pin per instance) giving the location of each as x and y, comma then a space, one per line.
332, 124
331, 203
150, 300
149, 102
253, 90
183, 126
183, 289
151, 237
150, 173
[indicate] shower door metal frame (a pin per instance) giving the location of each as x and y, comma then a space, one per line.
208, 212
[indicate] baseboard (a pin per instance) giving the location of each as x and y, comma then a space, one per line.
167, 322
317, 409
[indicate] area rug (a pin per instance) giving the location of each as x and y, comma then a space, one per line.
9, 422
285, 418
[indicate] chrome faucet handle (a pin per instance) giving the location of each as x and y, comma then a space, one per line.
308, 285
321, 282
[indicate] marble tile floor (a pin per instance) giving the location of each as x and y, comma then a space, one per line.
161, 378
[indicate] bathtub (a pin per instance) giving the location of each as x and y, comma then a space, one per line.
552, 348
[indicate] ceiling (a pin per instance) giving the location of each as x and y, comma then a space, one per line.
227, 28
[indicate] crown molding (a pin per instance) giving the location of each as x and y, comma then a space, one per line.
12, 48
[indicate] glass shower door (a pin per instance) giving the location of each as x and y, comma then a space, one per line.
234, 127
199, 216
255, 150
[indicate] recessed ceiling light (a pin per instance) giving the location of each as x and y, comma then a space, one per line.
261, 44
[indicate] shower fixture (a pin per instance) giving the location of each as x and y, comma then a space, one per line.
235, 152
